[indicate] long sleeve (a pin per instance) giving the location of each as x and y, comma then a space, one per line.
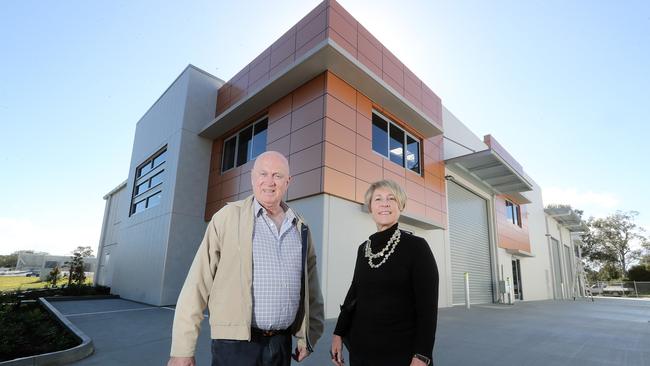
345, 316
425, 289
195, 293
316, 307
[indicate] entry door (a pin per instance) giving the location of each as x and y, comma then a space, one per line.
470, 245
569, 269
516, 279
557, 267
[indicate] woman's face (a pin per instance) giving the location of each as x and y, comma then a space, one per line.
384, 208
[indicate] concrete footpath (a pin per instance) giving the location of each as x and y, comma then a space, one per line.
544, 333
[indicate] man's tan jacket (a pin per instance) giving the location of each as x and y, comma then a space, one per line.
221, 277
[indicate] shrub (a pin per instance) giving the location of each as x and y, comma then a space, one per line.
54, 276
28, 329
639, 273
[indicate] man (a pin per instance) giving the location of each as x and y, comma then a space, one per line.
256, 271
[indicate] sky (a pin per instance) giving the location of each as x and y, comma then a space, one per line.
564, 86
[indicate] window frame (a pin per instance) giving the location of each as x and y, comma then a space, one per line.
153, 171
515, 210
237, 139
392, 124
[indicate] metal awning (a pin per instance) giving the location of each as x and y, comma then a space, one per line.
519, 252
519, 198
566, 217
494, 171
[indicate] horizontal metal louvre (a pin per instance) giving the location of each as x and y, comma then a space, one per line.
470, 245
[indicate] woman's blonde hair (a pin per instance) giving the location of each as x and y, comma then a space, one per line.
398, 192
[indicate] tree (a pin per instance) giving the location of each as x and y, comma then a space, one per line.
608, 241
77, 273
9, 260
54, 275
639, 273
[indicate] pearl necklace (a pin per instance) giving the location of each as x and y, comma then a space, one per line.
390, 247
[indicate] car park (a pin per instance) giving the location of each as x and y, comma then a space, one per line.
616, 290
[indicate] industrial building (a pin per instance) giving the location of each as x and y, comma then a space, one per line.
42, 264
346, 112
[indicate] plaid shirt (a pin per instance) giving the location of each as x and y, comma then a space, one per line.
277, 268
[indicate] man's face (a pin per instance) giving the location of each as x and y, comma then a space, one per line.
270, 179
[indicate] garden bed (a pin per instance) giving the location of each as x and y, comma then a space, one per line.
29, 329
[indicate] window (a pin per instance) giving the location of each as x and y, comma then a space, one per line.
149, 177
394, 143
513, 212
245, 145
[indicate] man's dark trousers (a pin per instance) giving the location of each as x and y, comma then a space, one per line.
260, 351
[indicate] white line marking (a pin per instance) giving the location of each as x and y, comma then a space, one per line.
107, 312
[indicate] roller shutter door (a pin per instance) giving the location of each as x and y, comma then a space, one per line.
470, 245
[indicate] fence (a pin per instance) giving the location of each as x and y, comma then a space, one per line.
621, 288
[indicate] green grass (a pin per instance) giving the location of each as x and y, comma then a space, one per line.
11, 283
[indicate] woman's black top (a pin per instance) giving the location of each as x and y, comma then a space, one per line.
390, 312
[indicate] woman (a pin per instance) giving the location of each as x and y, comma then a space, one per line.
389, 314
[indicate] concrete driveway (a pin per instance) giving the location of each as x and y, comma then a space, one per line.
605, 332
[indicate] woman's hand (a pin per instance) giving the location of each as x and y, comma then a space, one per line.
336, 352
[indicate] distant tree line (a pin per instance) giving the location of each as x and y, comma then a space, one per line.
616, 248
11, 260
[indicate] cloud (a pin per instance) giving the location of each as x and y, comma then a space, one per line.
54, 237
593, 203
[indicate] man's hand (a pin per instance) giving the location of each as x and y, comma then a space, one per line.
300, 353
336, 352
181, 361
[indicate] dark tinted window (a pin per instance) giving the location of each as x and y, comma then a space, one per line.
412, 154
393, 142
148, 174
243, 150
259, 139
396, 145
229, 154
379, 135
245, 145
